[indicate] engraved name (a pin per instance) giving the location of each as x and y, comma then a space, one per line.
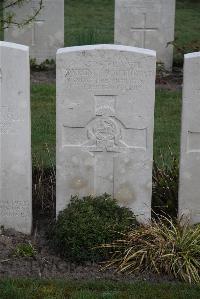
130, 78
16, 208
8, 118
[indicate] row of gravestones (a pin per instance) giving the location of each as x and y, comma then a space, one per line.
140, 23
105, 121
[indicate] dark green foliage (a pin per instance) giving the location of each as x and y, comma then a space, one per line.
87, 223
44, 66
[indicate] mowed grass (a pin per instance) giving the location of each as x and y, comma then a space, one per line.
92, 21
35, 289
43, 112
167, 124
187, 22
89, 22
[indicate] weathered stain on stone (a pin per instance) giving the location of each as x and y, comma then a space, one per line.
125, 195
78, 183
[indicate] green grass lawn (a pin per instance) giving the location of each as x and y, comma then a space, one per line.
187, 22
43, 110
34, 289
167, 123
89, 22
92, 21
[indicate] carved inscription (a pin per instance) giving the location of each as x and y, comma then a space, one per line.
197, 91
111, 77
8, 119
16, 208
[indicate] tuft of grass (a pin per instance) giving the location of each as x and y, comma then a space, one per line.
161, 247
25, 250
165, 187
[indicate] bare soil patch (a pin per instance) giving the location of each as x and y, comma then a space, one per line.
47, 265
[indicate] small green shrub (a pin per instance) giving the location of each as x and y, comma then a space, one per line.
44, 66
161, 247
85, 224
25, 250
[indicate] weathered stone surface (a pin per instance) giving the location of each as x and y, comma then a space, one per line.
146, 24
105, 112
15, 138
45, 34
189, 189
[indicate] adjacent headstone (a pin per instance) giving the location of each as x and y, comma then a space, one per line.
146, 24
105, 120
45, 34
189, 188
15, 138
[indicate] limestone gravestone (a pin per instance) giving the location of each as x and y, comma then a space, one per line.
146, 24
15, 138
189, 188
105, 113
45, 34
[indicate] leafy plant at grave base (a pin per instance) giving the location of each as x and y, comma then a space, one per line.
165, 187
161, 247
25, 250
44, 66
85, 224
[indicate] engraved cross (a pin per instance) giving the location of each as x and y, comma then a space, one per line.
36, 23
144, 30
104, 137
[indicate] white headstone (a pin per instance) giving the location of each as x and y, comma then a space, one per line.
45, 34
105, 119
15, 138
189, 189
146, 24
